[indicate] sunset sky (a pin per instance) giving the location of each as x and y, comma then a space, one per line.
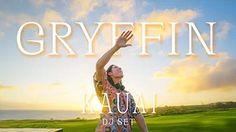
58, 83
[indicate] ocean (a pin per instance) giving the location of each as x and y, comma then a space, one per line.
45, 114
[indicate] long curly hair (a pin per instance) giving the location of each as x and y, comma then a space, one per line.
117, 86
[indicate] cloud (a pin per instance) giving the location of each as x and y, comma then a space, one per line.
81, 8
145, 3
222, 29
222, 55
51, 16
119, 11
6, 87
166, 16
191, 75
45, 86
122, 6
109, 17
106, 29
37, 3
225, 27
1, 34
11, 19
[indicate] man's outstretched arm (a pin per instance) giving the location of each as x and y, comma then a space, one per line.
121, 42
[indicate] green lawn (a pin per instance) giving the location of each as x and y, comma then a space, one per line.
213, 120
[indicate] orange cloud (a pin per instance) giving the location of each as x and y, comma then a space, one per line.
190, 75
51, 16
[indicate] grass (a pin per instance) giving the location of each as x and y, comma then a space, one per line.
209, 121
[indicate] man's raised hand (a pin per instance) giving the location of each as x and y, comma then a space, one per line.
123, 39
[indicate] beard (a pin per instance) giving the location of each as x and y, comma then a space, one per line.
121, 75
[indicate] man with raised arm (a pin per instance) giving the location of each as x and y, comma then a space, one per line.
118, 104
